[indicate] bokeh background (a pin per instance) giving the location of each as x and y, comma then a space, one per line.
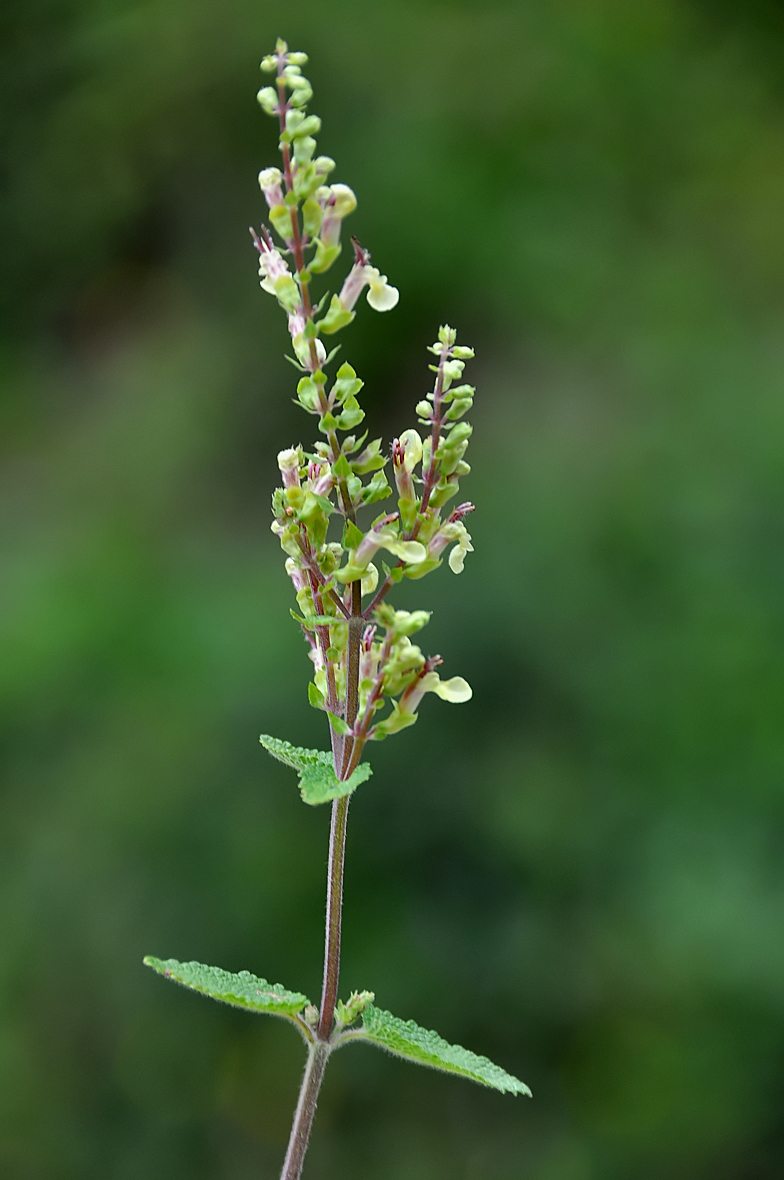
580, 872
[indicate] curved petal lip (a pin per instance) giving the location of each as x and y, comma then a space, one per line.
382, 297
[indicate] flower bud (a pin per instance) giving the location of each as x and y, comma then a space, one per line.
459, 433
270, 184
288, 463
298, 124
267, 99
407, 623
403, 480
453, 371
296, 573
304, 147
295, 80
340, 202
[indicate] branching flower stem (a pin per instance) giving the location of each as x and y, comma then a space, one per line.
429, 478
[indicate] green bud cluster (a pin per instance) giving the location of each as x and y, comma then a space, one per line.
342, 569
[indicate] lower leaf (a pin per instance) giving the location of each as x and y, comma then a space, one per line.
241, 990
406, 1039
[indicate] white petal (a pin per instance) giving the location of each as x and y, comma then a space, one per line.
370, 580
344, 200
457, 559
457, 690
381, 296
269, 177
411, 551
413, 448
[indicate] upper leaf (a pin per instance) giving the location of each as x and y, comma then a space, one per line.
242, 990
318, 782
406, 1039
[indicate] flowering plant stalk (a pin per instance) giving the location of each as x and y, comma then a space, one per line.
369, 678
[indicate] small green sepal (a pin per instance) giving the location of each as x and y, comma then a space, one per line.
338, 724
356, 1004
352, 536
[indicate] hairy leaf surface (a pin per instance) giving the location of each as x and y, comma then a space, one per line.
406, 1039
318, 782
242, 990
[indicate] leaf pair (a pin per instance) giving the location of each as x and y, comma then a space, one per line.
403, 1038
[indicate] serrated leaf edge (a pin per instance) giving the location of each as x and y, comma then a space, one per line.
312, 764
506, 1083
168, 968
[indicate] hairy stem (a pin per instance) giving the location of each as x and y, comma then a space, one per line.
337, 850
318, 1054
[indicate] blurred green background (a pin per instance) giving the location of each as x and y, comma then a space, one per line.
580, 872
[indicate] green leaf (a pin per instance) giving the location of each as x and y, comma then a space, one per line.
408, 1040
241, 990
318, 782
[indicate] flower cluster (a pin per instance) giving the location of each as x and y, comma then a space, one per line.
361, 648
